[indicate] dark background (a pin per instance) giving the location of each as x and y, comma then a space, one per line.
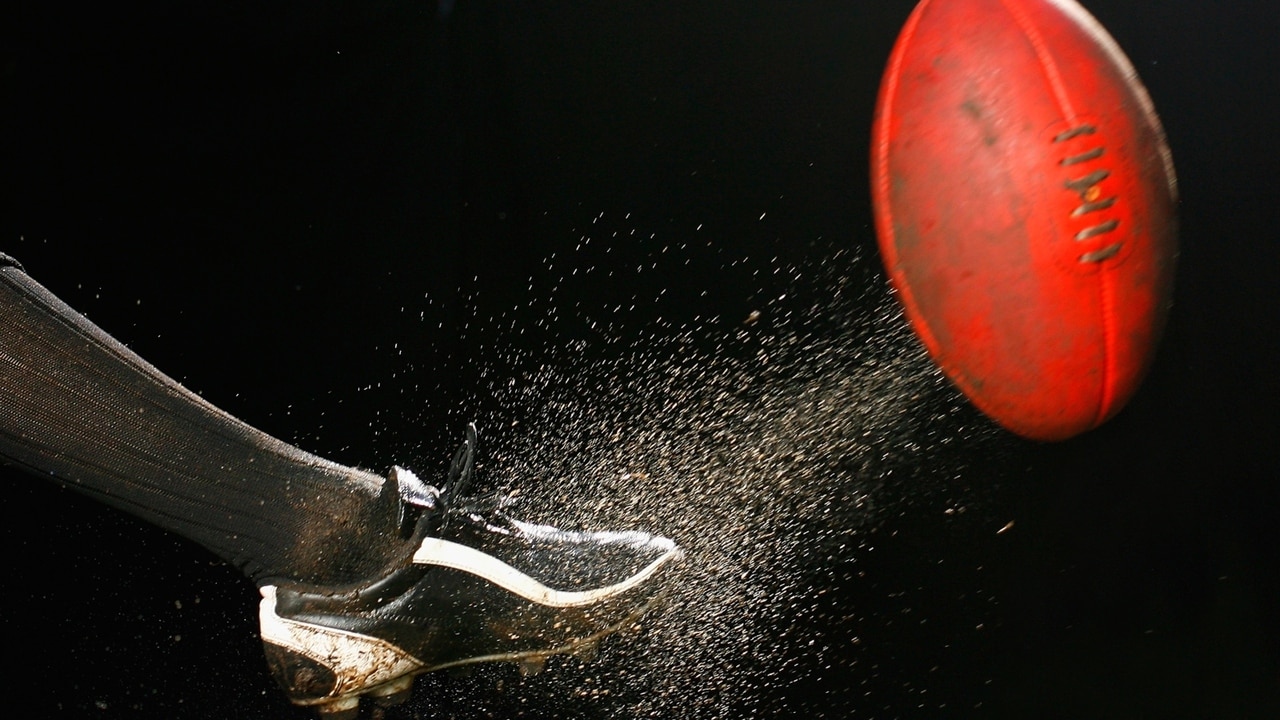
312, 213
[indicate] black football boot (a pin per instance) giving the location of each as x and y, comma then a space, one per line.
481, 586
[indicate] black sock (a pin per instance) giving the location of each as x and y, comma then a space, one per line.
82, 409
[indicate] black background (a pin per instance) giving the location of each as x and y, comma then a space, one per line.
260, 198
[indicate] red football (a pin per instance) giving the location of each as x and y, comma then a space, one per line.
1025, 208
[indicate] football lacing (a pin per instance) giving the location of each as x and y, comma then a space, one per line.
1090, 192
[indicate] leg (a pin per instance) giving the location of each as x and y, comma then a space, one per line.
365, 581
82, 409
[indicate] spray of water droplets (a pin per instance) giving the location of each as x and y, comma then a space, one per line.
770, 445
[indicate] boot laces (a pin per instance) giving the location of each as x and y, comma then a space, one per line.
442, 504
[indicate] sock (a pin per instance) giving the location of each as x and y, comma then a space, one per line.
81, 409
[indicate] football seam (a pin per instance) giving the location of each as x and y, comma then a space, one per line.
881, 185
1053, 78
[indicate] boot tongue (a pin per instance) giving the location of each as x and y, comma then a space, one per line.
455, 484
415, 497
